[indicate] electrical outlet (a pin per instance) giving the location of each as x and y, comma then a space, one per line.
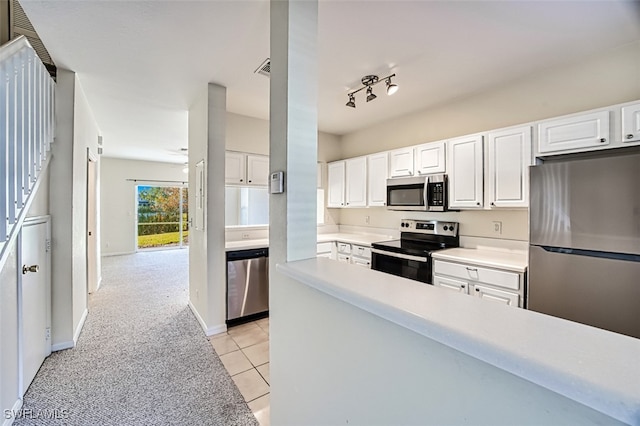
367, 220
245, 236
497, 228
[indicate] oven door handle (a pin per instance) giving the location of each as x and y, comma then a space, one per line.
400, 255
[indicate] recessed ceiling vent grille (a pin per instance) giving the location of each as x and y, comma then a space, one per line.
264, 68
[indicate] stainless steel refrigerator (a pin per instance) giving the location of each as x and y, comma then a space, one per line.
584, 254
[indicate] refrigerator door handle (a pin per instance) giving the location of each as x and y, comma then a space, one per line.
592, 253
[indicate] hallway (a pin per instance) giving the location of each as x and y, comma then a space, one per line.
141, 359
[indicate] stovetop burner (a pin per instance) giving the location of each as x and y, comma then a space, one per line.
420, 238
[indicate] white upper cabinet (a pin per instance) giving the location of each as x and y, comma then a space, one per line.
377, 169
578, 132
257, 170
507, 173
335, 182
356, 182
235, 168
631, 123
430, 158
246, 169
464, 168
401, 162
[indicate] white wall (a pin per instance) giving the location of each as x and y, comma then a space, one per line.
76, 131
198, 289
606, 79
118, 198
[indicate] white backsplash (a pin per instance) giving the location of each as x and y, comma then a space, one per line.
494, 244
354, 229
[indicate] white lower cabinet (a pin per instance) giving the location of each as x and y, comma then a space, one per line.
450, 284
361, 256
495, 295
492, 284
324, 250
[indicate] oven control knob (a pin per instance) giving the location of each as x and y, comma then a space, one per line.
446, 228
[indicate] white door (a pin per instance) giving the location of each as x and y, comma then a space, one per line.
258, 170
430, 158
464, 168
401, 162
234, 168
631, 123
377, 169
509, 158
35, 296
93, 268
356, 182
579, 132
336, 175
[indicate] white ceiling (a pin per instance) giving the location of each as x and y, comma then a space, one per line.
142, 63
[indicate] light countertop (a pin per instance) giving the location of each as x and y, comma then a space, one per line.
571, 359
360, 239
502, 259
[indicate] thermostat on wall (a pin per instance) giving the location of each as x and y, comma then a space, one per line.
276, 183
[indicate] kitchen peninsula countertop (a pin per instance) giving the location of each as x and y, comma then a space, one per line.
510, 260
591, 366
351, 238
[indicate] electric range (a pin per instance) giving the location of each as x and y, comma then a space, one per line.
410, 256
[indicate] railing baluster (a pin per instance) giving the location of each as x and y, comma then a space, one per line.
11, 139
19, 74
40, 121
4, 147
32, 119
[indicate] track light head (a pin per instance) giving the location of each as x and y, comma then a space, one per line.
391, 87
352, 101
370, 95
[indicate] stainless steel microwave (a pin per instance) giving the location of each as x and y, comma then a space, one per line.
424, 193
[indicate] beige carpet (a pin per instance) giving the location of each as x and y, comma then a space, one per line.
142, 358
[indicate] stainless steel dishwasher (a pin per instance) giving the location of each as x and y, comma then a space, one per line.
247, 284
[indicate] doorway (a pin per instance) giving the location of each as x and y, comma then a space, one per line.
162, 213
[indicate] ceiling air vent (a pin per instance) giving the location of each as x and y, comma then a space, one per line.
264, 68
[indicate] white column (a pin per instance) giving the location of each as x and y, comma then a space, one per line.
293, 129
214, 227
293, 135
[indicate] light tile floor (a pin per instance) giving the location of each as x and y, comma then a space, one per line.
244, 351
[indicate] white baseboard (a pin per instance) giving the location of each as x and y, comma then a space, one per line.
120, 253
14, 410
208, 331
76, 335
62, 346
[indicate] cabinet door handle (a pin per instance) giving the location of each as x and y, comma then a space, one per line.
630, 136
249, 181
462, 286
478, 290
493, 204
603, 140
478, 204
240, 180
472, 269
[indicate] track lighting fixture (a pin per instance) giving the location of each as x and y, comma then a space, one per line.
368, 81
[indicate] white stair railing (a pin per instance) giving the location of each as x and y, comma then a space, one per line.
27, 121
